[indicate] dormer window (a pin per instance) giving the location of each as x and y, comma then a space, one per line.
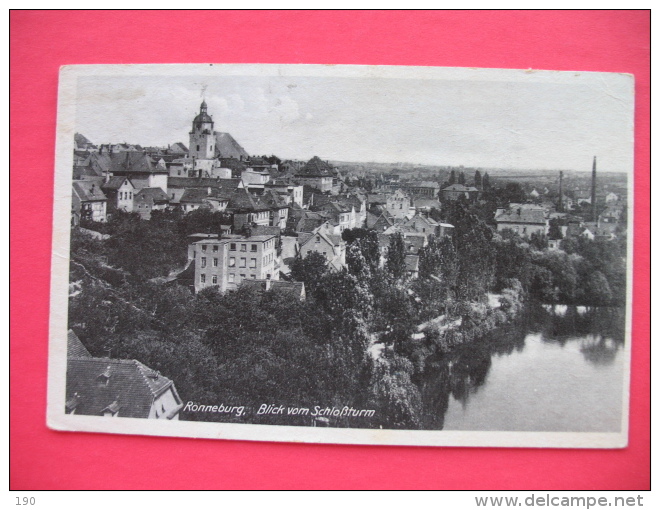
104, 378
112, 411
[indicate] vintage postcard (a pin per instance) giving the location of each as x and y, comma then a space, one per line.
343, 254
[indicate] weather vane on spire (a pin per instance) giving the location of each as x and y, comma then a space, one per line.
203, 92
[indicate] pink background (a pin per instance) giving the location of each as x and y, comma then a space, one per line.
616, 41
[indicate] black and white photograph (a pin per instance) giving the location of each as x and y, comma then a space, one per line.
343, 254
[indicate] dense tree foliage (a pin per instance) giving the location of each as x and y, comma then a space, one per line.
363, 336
395, 262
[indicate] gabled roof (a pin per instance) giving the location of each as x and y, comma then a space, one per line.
134, 162
88, 191
242, 200
131, 386
429, 221
273, 199
81, 140
383, 221
155, 194
116, 182
194, 195
179, 148
307, 224
521, 215
74, 347
227, 147
315, 167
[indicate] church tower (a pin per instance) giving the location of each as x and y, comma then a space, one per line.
202, 139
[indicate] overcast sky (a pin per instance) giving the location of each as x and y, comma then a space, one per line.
513, 123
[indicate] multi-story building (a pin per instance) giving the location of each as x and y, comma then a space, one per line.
225, 263
88, 202
119, 191
427, 189
524, 221
317, 174
399, 205
331, 246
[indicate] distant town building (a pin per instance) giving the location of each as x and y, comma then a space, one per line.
120, 193
148, 200
88, 202
331, 246
457, 191
525, 221
427, 189
400, 205
317, 174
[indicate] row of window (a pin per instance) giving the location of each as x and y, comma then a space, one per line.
125, 195
234, 247
203, 262
231, 278
242, 262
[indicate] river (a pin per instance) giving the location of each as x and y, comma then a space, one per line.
558, 369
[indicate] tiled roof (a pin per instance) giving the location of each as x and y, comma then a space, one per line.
242, 200
309, 224
134, 162
263, 230
272, 199
74, 347
155, 194
116, 182
194, 195
179, 148
88, 191
521, 215
422, 184
227, 147
131, 386
81, 140
316, 167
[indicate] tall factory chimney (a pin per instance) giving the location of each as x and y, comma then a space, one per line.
561, 192
593, 192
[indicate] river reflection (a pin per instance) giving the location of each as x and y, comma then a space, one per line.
558, 369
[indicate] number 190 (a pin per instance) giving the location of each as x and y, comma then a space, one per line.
25, 501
